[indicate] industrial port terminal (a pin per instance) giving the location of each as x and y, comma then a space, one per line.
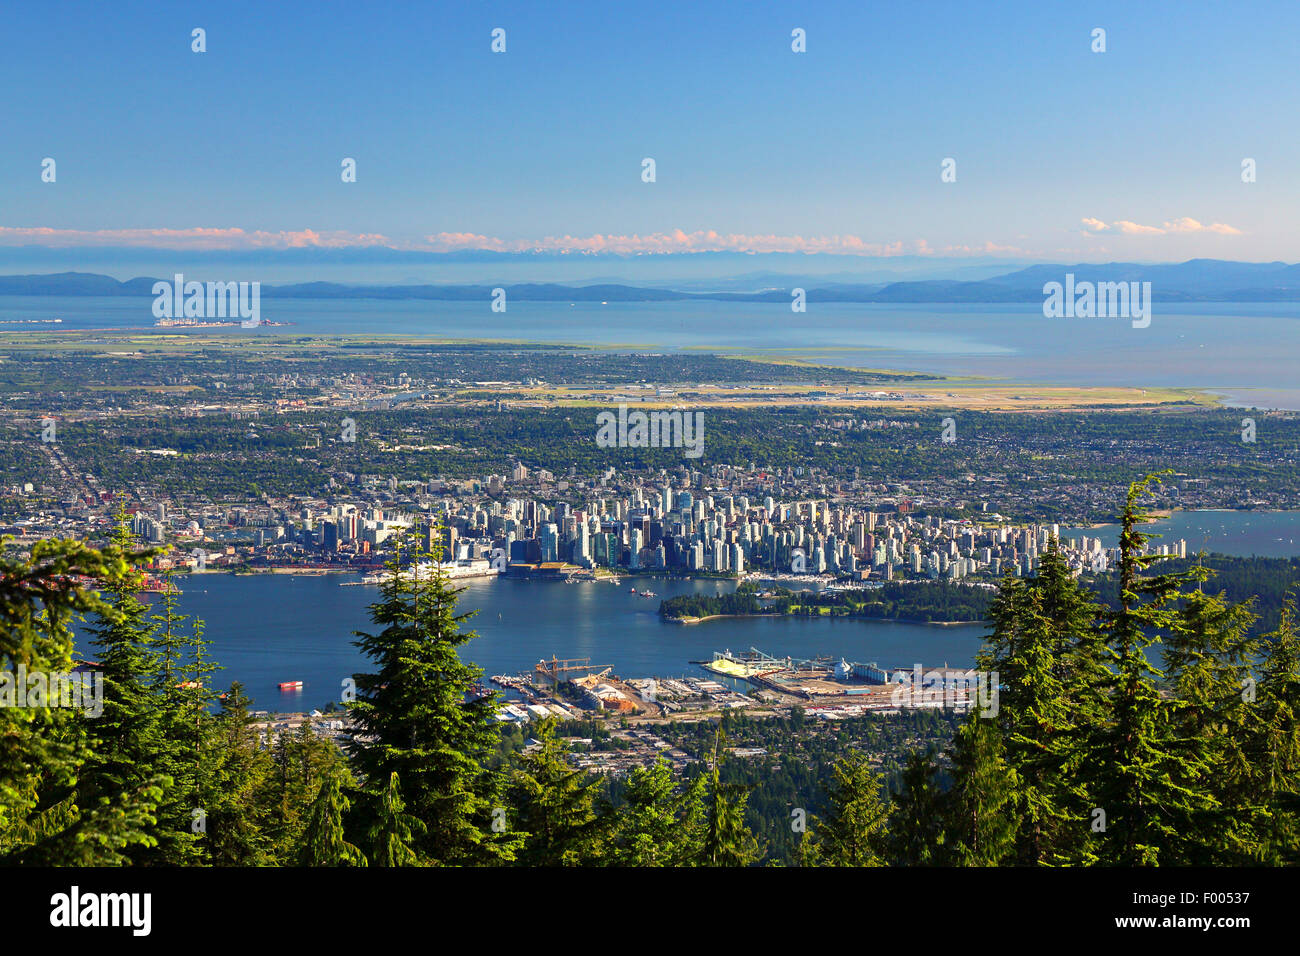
575, 688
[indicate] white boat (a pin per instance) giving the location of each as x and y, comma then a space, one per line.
474, 568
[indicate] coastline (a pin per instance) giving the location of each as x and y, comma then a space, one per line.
714, 617
858, 617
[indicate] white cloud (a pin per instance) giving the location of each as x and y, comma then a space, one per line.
678, 241
658, 243
1185, 224
198, 238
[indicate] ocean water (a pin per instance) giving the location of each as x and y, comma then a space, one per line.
1245, 351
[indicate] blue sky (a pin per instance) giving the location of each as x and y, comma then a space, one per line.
1062, 154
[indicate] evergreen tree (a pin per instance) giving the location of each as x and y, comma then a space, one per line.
124, 741
1048, 750
44, 749
1274, 747
915, 835
853, 830
300, 762
104, 834
323, 841
181, 698
1134, 767
554, 805
231, 783
1035, 626
390, 836
417, 715
980, 809
659, 822
728, 840
1206, 664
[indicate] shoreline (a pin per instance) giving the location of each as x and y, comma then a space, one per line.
849, 617
907, 387
714, 617
1164, 514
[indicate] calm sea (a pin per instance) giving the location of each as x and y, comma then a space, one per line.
1266, 534
1245, 351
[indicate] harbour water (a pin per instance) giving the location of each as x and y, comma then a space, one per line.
269, 628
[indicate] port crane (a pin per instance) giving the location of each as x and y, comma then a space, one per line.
552, 669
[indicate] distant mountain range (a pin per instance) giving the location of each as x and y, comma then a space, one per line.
1198, 280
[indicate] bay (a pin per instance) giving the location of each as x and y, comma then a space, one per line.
270, 628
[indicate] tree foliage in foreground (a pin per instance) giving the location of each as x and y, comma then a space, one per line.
1158, 729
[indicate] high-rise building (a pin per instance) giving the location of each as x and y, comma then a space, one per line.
550, 542
581, 546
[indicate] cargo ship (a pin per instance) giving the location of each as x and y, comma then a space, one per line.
291, 685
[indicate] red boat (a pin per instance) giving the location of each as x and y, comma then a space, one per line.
291, 685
